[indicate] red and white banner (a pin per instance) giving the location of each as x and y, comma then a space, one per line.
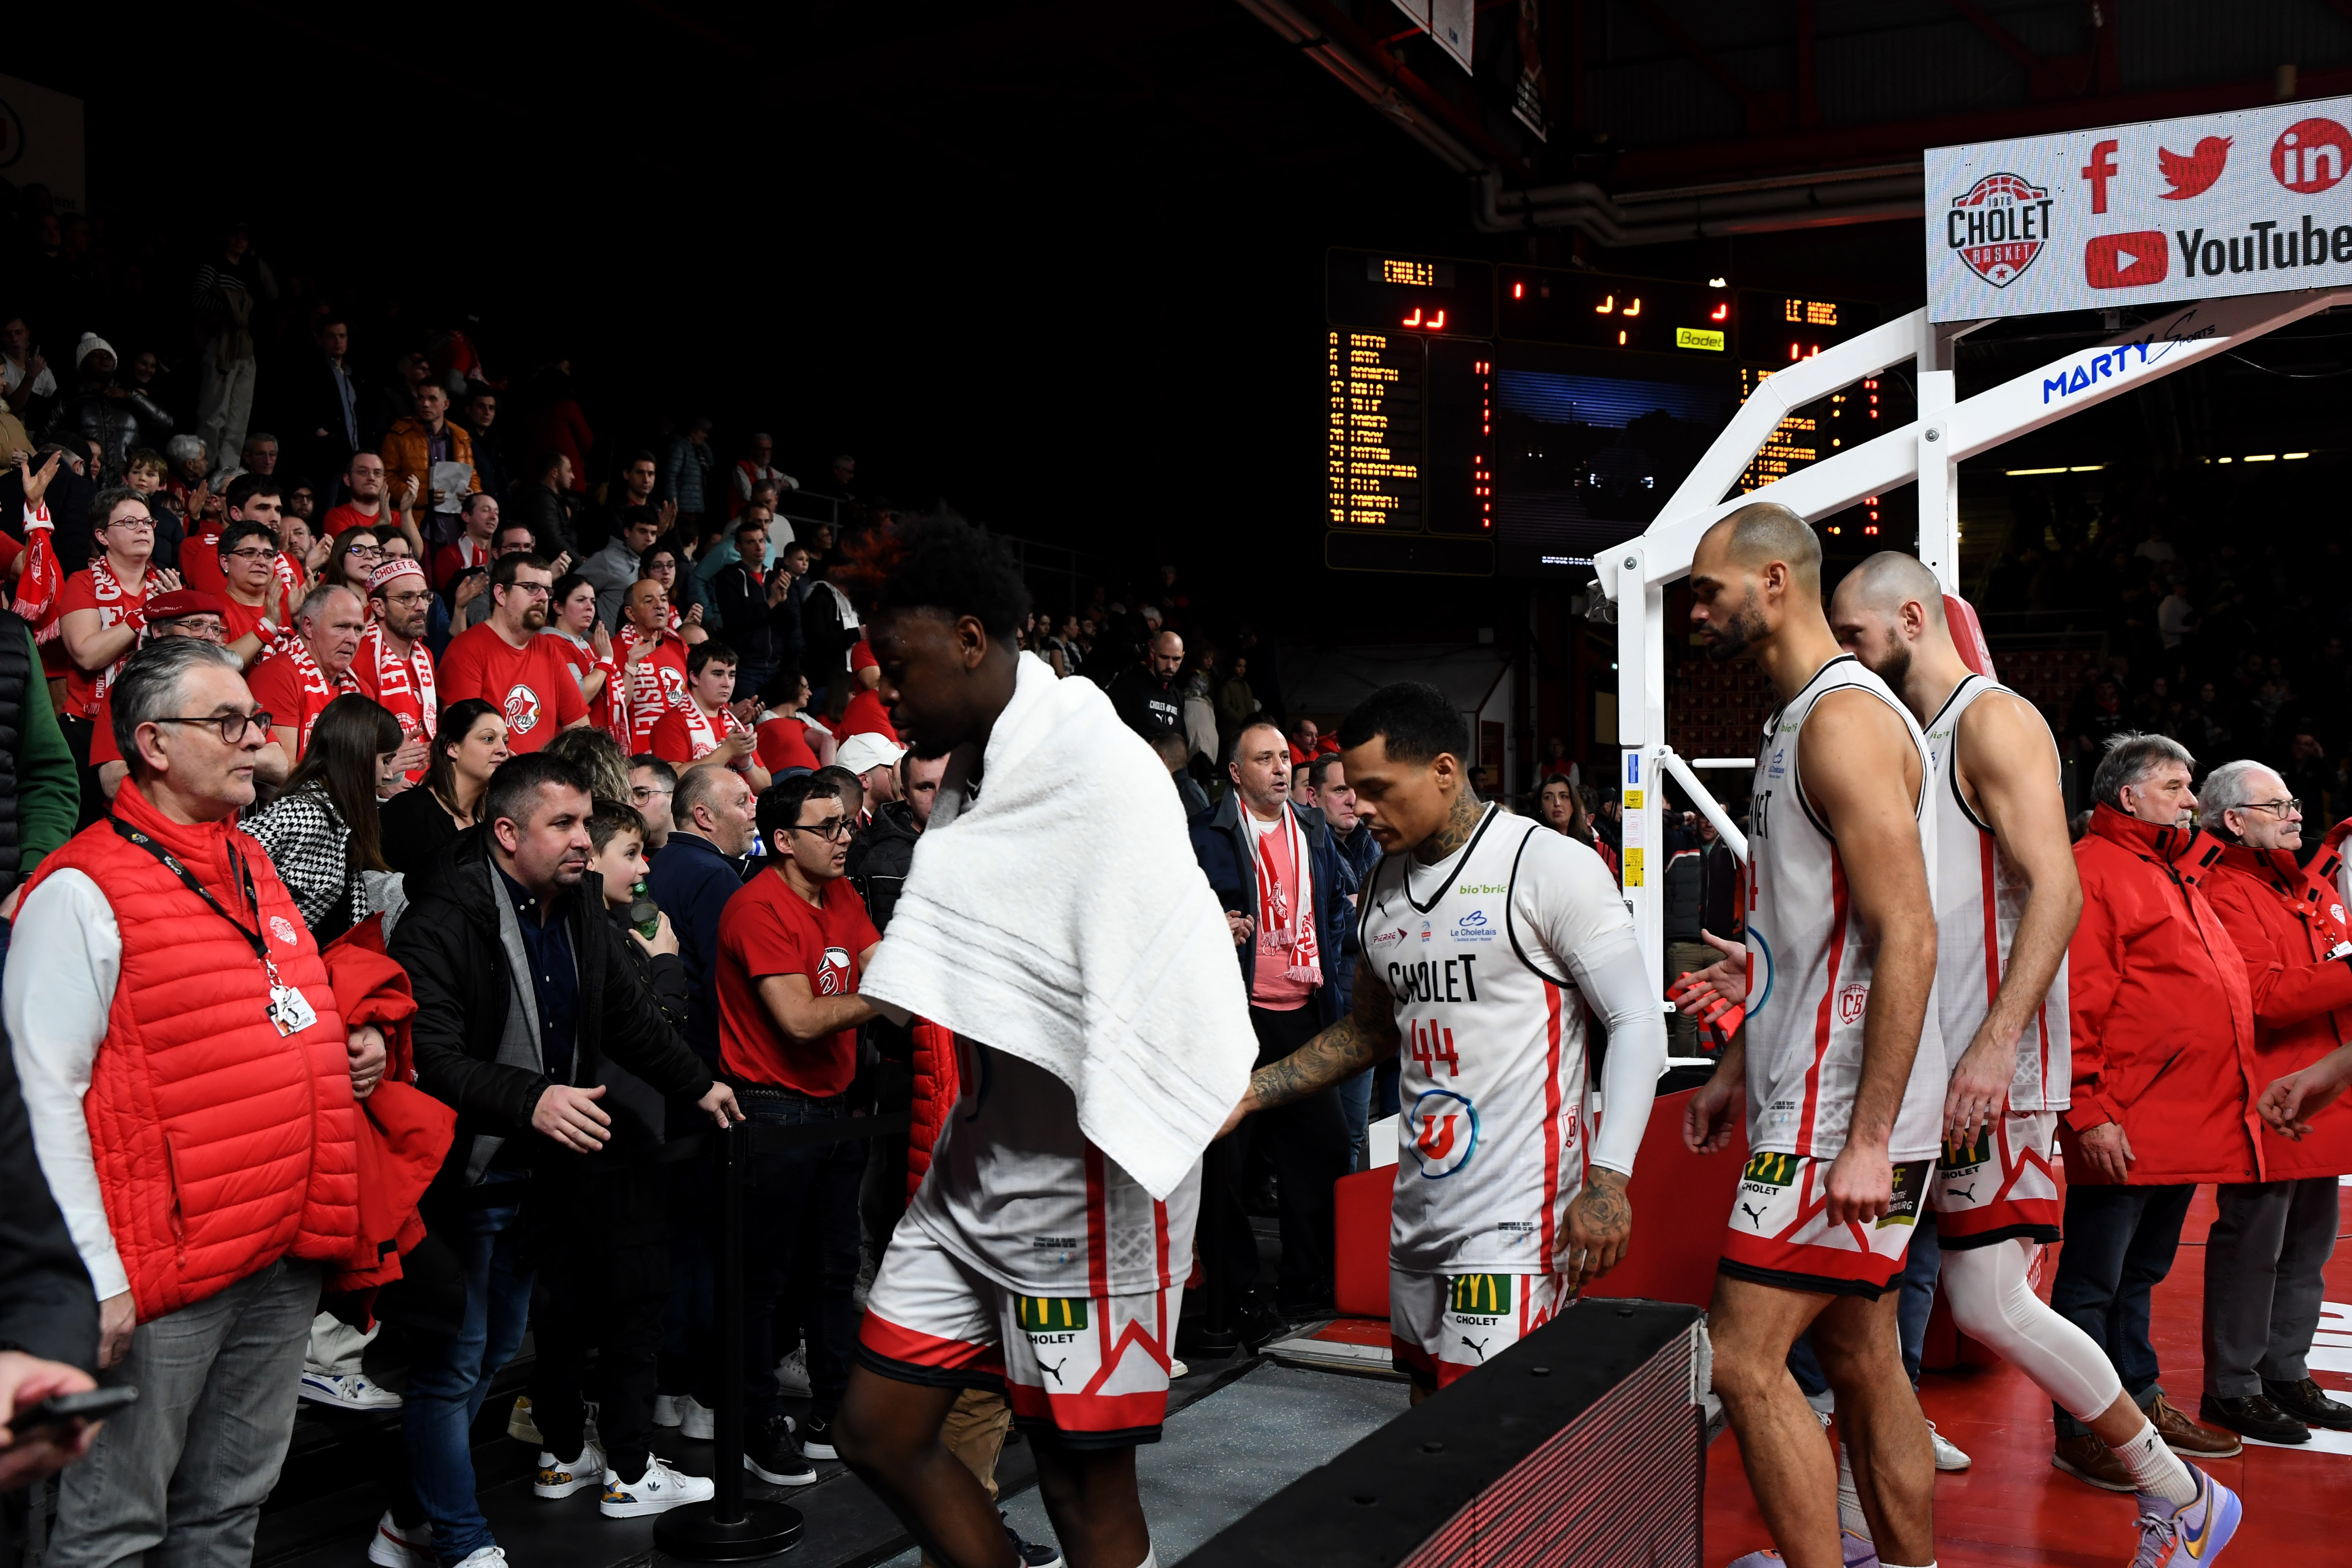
2251, 202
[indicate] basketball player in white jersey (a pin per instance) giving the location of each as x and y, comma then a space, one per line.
2007, 899
1838, 1066
1486, 940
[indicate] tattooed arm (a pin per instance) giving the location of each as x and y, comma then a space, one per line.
1366, 1037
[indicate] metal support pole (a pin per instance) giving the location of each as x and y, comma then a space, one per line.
729, 1528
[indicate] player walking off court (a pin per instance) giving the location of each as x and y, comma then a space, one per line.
2007, 899
1839, 1069
1486, 939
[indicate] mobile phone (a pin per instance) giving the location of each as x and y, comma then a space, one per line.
58, 1409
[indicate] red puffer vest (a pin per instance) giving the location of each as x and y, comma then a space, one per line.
221, 1144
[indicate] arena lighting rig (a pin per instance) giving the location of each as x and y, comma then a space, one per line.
1520, 419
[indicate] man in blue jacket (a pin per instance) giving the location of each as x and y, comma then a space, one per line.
1287, 893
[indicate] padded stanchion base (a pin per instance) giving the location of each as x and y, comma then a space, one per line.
694, 1531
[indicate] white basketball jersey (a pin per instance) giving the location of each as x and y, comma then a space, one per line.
1490, 1145
1979, 898
1811, 961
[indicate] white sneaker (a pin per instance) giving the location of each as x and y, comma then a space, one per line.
519, 1426
485, 1557
355, 1392
1948, 1457
791, 1375
670, 1409
697, 1423
398, 1546
561, 1477
659, 1491
1177, 1369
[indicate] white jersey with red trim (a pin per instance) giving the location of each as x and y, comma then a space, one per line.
1018, 1193
1482, 952
1809, 961
1979, 897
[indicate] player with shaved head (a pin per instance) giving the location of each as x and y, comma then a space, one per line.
1838, 1068
2006, 898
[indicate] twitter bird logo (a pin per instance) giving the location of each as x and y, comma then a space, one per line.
2192, 174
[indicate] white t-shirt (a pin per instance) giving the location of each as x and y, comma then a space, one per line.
12, 374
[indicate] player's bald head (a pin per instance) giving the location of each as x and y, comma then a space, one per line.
1757, 537
1890, 580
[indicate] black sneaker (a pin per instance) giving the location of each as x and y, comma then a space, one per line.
772, 1456
1031, 1554
817, 1438
2252, 1417
2308, 1403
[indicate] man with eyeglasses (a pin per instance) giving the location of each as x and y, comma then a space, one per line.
790, 947
101, 611
652, 785
393, 665
2271, 1239
505, 663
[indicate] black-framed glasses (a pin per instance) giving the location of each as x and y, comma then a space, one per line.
837, 828
643, 793
2282, 807
231, 726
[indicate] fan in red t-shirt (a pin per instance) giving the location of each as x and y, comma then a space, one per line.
309, 666
791, 944
865, 714
253, 600
705, 727
102, 608
785, 741
371, 505
505, 663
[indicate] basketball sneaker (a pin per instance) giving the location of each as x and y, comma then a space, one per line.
2187, 1533
1859, 1553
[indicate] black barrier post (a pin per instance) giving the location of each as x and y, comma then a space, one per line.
727, 1529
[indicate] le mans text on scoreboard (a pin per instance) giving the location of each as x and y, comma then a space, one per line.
2254, 202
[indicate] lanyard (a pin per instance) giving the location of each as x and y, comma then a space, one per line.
245, 881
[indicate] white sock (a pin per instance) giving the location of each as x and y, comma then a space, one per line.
2157, 1469
1150, 1559
1929, 1563
1850, 1514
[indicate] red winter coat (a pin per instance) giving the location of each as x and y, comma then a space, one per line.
221, 1145
2163, 1023
2285, 921
403, 1133
938, 1080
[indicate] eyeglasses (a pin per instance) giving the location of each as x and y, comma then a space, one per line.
251, 554
134, 524
404, 600
366, 549
835, 828
646, 792
231, 726
531, 590
2284, 808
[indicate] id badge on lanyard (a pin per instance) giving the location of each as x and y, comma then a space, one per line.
289, 1011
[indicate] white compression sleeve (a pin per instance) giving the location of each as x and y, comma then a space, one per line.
1992, 1304
1617, 983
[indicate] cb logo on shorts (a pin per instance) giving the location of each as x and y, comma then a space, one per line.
1444, 1130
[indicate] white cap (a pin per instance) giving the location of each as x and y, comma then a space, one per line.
868, 750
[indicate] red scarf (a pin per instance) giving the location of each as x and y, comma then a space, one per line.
704, 733
312, 681
403, 685
44, 579
1286, 915
133, 613
644, 695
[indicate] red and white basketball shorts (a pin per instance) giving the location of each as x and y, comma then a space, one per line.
1779, 1231
2003, 1187
1093, 1370
1443, 1327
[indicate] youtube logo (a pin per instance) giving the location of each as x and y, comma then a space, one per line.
2134, 261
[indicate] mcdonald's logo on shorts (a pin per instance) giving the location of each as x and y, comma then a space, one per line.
1050, 1314
1769, 1170
1480, 1295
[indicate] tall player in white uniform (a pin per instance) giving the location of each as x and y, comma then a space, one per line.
2006, 901
1837, 1067
1487, 938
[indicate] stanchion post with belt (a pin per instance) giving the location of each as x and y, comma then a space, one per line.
729, 1528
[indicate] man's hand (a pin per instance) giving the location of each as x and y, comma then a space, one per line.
663, 940
1979, 1094
572, 1117
561, 563
1241, 926
36, 480
639, 651
779, 584
411, 756
469, 588
1725, 978
693, 618
367, 1053
26, 1380
2109, 1152
1599, 1225
666, 515
1861, 1184
737, 746
1715, 1111
718, 1102
117, 1316
1244, 1108
408, 493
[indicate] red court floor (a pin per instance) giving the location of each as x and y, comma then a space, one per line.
2012, 1508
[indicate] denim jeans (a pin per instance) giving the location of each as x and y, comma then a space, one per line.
450, 1378
2120, 1243
1921, 1265
800, 1229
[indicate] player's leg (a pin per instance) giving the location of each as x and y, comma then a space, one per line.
1089, 1494
889, 1432
1782, 1444
1879, 1420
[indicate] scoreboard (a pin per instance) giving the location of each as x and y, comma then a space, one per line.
1512, 418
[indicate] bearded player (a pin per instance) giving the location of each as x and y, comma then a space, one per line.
2006, 901
1486, 941
1839, 1069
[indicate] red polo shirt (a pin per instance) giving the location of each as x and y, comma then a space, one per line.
768, 929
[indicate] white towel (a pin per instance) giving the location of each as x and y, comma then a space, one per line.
1062, 919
